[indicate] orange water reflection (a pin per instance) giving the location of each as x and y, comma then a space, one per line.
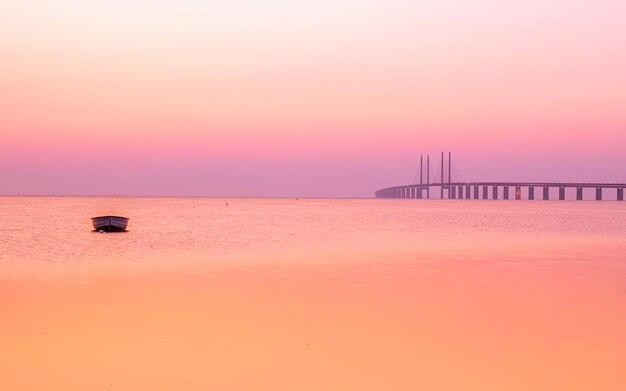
401, 327
541, 314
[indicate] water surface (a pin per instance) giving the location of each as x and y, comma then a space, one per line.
267, 294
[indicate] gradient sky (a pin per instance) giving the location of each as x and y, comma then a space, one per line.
306, 98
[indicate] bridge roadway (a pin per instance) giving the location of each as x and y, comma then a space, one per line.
470, 190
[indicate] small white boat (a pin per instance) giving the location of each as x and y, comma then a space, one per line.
110, 223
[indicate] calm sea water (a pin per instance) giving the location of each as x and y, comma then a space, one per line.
299, 294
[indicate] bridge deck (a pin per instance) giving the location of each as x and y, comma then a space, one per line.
464, 189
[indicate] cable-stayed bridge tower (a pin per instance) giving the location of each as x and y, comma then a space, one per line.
472, 190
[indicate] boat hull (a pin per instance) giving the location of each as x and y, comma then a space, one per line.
110, 223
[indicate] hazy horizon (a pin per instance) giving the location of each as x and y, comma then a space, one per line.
40, 182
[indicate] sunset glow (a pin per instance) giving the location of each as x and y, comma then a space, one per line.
323, 195
344, 94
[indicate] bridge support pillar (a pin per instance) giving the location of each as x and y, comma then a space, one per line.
419, 193
495, 192
561, 193
579, 193
531, 192
505, 193
460, 191
620, 194
468, 191
475, 192
518, 192
546, 193
452, 192
598, 193
485, 193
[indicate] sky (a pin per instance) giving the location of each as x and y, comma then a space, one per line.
306, 98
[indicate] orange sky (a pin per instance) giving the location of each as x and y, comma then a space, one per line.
336, 98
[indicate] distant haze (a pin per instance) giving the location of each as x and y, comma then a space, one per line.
306, 98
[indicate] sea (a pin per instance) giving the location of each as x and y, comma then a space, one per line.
312, 294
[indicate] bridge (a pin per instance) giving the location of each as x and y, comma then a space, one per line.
480, 190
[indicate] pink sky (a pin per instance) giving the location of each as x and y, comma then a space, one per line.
306, 98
